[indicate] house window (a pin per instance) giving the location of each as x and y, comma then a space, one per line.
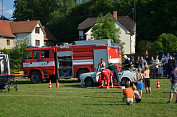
37, 42
37, 30
8, 42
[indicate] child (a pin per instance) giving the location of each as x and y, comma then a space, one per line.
139, 81
160, 70
147, 79
137, 95
128, 93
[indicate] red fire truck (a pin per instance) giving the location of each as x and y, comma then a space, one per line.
69, 60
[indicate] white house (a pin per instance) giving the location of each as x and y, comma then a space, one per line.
126, 25
17, 30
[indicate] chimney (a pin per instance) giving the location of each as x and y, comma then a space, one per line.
115, 14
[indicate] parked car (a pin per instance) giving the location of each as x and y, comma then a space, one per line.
91, 78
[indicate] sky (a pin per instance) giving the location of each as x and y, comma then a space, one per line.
7, 7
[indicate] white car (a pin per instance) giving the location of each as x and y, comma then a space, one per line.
91, 78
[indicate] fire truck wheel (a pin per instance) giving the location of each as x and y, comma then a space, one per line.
36, 77
81, 72
89, 82
124, 81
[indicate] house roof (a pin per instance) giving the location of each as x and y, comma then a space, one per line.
10, 28
125, 21
5, 29
23, 26
88, 23
48, 36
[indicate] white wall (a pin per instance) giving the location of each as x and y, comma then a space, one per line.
36, 36
24, 36
133, 43
88, 35
33, 36
125, 38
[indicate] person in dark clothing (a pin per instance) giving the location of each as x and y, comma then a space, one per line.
114, 70
173, 79
127, 65
170, 66
137, 62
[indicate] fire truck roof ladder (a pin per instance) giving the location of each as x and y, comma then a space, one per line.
99, 42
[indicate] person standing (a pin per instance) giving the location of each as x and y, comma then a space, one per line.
157, 60
160, 70
147, 79
173, 80
139, 81
137, 62
174, 60
164, 61
142, 62
153, 67
114, 70
170, 66
101, 65
167, 57
127, 63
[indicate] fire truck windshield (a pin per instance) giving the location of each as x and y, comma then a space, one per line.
27, 55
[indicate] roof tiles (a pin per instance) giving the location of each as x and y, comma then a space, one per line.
23, 26
5, 29
125, 21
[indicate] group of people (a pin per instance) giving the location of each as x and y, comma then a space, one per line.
139, 78
131, 95
108, 75
162, 67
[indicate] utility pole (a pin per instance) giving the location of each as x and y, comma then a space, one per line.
134, 10
2, 10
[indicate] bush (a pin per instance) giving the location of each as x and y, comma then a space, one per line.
16, 54
165, 42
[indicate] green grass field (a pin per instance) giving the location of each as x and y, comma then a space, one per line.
70, 100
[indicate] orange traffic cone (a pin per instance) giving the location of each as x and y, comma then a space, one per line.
158, 84
50, 85
57, 84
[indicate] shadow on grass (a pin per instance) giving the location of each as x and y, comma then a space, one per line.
75, 86
109, 92
24, 82
152, 102
101, 104
102, 97
68, 81
166, 92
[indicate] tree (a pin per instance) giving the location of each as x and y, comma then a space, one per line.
145, 45
105, 29
165, 42
34, 10
16, 53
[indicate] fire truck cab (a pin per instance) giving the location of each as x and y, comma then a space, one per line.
69, 60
